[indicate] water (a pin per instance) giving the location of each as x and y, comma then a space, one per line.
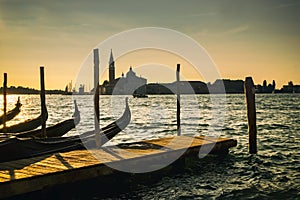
271, 174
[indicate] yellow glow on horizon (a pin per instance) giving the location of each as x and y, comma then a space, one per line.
235, 60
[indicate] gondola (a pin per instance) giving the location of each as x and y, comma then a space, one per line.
56, 130
12, 113
30, 124
26, 125
19, 148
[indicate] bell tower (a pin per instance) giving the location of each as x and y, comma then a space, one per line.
111, 68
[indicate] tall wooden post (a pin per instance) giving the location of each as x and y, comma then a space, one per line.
43, 102
251, 114
96, 97
4, 100
178, 100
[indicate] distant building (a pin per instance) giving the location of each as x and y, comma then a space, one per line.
198, 87
128, 84
290, 88
156, 88
266, 88
230, 86
69, 88
186, 87
81, 89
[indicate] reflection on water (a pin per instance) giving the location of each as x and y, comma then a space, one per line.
59, 108
272, 173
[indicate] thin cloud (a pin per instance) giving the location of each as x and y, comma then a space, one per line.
286, 5
203, 32
201, 14
236, 30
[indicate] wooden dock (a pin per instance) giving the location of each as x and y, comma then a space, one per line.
34, 174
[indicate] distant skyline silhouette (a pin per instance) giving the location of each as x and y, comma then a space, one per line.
231, 86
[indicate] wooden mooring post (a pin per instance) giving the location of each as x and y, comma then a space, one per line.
251, 114
4, 100
178, 99
43, 102
96, 97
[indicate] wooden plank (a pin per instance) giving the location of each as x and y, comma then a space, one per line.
84, 155
53, 166
23, 174
129, 153
179, 142
44, 168
4, 176
212, 139
53, 161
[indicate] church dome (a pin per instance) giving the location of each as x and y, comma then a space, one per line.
130, 73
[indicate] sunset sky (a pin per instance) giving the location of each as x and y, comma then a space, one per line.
244, 38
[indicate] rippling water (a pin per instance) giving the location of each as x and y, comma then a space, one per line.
271, 174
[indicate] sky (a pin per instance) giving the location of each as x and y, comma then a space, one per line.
244, 38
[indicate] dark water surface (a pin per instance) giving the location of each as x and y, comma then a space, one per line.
274, 173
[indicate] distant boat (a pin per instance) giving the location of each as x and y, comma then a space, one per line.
16, 148
138, 95
56, 130
12, 113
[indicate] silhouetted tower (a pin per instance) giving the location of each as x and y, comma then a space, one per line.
265, 83
111, 68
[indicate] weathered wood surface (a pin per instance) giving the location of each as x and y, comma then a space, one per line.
27, 175
178, 99
43, 102
251, 114
4, 99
